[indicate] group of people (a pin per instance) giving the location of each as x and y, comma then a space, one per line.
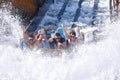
40, 40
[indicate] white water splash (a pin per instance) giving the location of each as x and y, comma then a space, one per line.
95, 61
9, 25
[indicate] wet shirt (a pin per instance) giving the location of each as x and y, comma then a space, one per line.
54, 43
61, 40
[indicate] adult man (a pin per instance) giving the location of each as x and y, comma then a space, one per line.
57, 42
28, 40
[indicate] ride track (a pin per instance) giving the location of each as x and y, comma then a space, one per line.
38, 19
60, 15
95, 9
77, 14
111, 8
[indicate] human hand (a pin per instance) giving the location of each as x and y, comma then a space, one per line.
59, 44
23, 28
39, 38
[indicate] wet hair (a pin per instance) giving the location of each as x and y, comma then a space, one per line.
73, 32
57, 34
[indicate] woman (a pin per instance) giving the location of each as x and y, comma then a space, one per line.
71, 37
42, 39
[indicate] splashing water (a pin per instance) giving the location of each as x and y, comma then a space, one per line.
9, 25
95, 61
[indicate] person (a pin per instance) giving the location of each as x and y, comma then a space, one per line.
57, 42
71, 37
41, 37
28, 40
116, 4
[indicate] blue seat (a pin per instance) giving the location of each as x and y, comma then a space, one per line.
23, 44
60, 31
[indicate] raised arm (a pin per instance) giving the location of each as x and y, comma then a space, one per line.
114, 3
65, 32
24, 33
78, 30
49, 40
